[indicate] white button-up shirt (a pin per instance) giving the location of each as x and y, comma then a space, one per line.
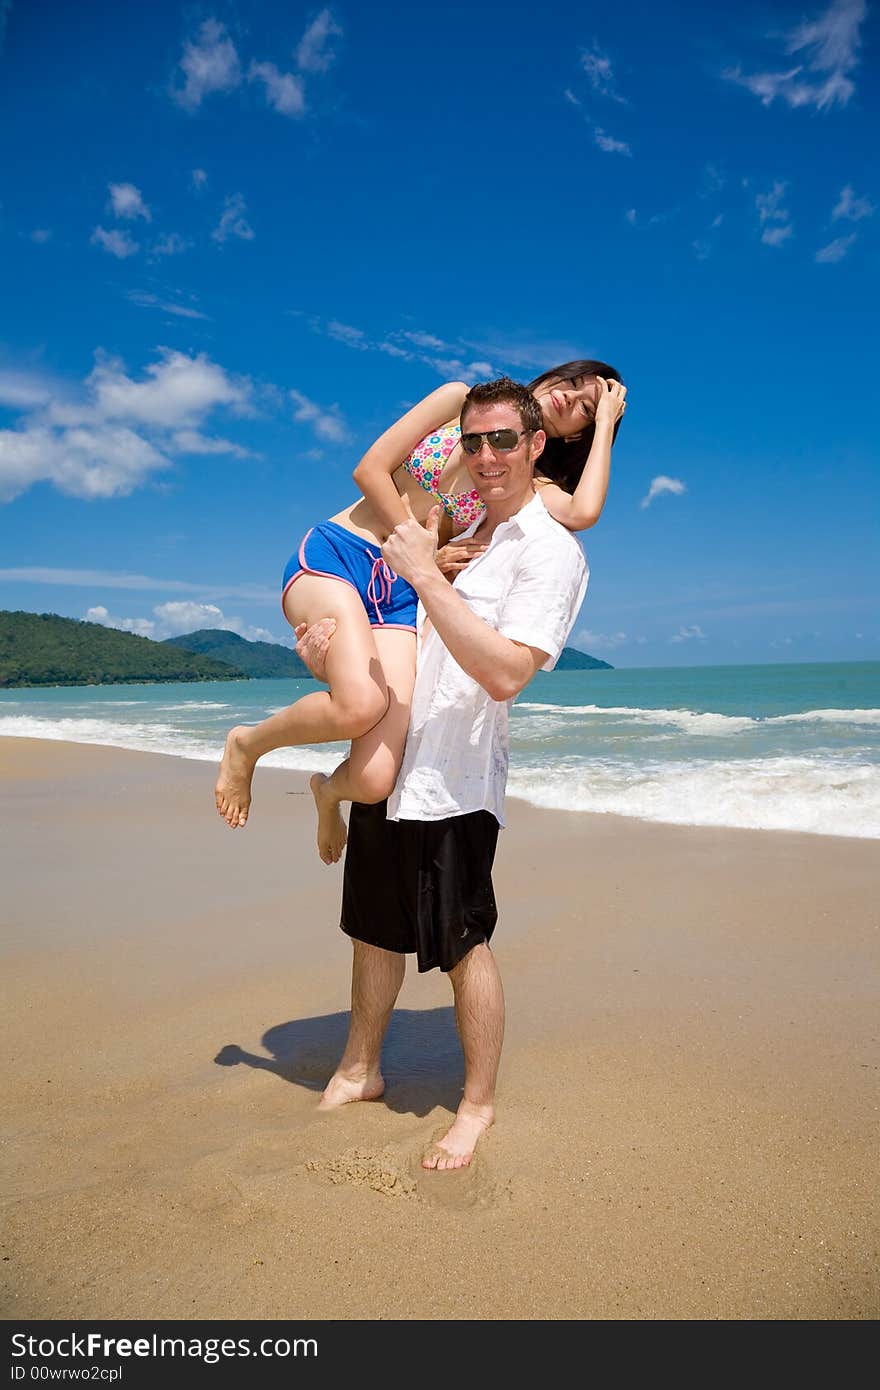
528, 585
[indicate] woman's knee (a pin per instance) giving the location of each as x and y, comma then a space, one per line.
375, 781
360, 707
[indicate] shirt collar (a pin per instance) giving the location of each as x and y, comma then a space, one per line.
529, 516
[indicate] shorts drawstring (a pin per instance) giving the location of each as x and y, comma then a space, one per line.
382, 576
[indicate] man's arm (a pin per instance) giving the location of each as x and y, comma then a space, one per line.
501, 666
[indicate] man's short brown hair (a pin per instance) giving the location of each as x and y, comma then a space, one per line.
505, 391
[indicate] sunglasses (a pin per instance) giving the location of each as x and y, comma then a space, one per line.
502, 441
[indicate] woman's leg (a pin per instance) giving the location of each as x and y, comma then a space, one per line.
370, 771
357, 698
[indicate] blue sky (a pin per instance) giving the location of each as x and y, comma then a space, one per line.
237, 241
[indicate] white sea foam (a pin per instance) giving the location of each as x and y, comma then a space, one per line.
820, 795
160, 738
707, 723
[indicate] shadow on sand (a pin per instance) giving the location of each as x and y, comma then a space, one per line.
421, 1056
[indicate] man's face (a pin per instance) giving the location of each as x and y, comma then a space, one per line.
501, 476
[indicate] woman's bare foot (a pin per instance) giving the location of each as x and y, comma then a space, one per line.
342, 1089
232, 793
456, 1148
332, 833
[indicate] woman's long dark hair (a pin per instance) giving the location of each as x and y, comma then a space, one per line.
563, 459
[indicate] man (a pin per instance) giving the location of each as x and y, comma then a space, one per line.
418, 868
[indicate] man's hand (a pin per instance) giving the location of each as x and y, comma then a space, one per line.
312, 643
457, 555
411, 549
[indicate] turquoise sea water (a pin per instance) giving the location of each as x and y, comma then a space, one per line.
772, 747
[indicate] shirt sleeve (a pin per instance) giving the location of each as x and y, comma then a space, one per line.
542, 603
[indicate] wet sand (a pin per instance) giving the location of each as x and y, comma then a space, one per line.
688, 1103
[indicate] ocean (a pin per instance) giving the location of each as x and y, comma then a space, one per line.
783, 747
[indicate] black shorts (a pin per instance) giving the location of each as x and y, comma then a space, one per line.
420, 886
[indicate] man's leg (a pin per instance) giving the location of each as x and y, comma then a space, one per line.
479, 1013
376, 978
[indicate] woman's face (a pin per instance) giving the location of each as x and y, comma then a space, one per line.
569, 405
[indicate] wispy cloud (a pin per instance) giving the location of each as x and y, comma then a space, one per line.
835, 250
314, 53
23, 390
170, 244
233, 221
601, 641
285, 92
127, 202
326, 421
694, 633
40, 235
609, 144
774, 218
119, 431
143, 583
199, 179
851, 208
597, 66
174, 618
409, 345
192, 442
662, 484
210, 63
118, 243
829, 48
144, 300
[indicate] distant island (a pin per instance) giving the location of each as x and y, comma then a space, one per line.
44, 649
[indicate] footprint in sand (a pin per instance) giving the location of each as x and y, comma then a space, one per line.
382, 1171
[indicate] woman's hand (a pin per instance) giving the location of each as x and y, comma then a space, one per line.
611, 403
457, 555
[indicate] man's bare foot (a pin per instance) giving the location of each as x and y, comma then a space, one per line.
332, 833
232, 793
456, 1148
342, 1089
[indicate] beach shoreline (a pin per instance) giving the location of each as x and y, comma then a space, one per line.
688, 1098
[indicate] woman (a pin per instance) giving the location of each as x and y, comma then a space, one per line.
370, 663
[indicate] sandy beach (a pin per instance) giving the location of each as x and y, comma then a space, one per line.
689, 1091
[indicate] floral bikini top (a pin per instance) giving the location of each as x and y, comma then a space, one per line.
426, 463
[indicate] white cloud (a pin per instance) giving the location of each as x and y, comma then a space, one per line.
835, 250
116, 436
210, 63
829, 47
689, 634
327, 422
145, 300
313, 53
345, 333
771, 211
119, 244
601, 641
192, 442
662, 484
285, 92
609, 144
597, 66
850, 207
233, 222
127, 202
570, 97
109, 579
23, 391
631, 216
40, 235
173, 619
199, 179
775, 236
170, 244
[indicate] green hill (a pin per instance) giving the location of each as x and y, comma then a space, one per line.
43, 649
573, 660
254, 658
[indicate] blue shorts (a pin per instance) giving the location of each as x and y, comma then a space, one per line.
333, 552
